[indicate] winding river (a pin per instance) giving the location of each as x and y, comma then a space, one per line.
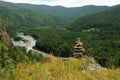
31, 42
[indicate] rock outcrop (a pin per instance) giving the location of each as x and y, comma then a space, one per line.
92, 65
4, 37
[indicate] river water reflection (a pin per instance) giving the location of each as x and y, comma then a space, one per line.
31, 42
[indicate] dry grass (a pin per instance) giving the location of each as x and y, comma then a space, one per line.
57, 69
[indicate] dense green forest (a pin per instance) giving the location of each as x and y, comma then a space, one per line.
15, 19
27, 18
69, 14
108, 19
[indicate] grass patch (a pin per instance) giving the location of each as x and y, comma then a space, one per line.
57, 69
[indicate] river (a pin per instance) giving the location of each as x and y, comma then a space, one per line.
31, 42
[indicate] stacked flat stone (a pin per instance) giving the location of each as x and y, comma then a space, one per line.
78, 49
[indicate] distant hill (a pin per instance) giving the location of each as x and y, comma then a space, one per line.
67, 13
28, 18
108, 19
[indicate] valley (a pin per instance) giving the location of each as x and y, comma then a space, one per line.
37, 42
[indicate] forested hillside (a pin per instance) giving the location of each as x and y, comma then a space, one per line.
27, 18
70, 14
109, 19
9, 55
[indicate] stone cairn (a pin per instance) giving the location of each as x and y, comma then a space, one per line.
78, 49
